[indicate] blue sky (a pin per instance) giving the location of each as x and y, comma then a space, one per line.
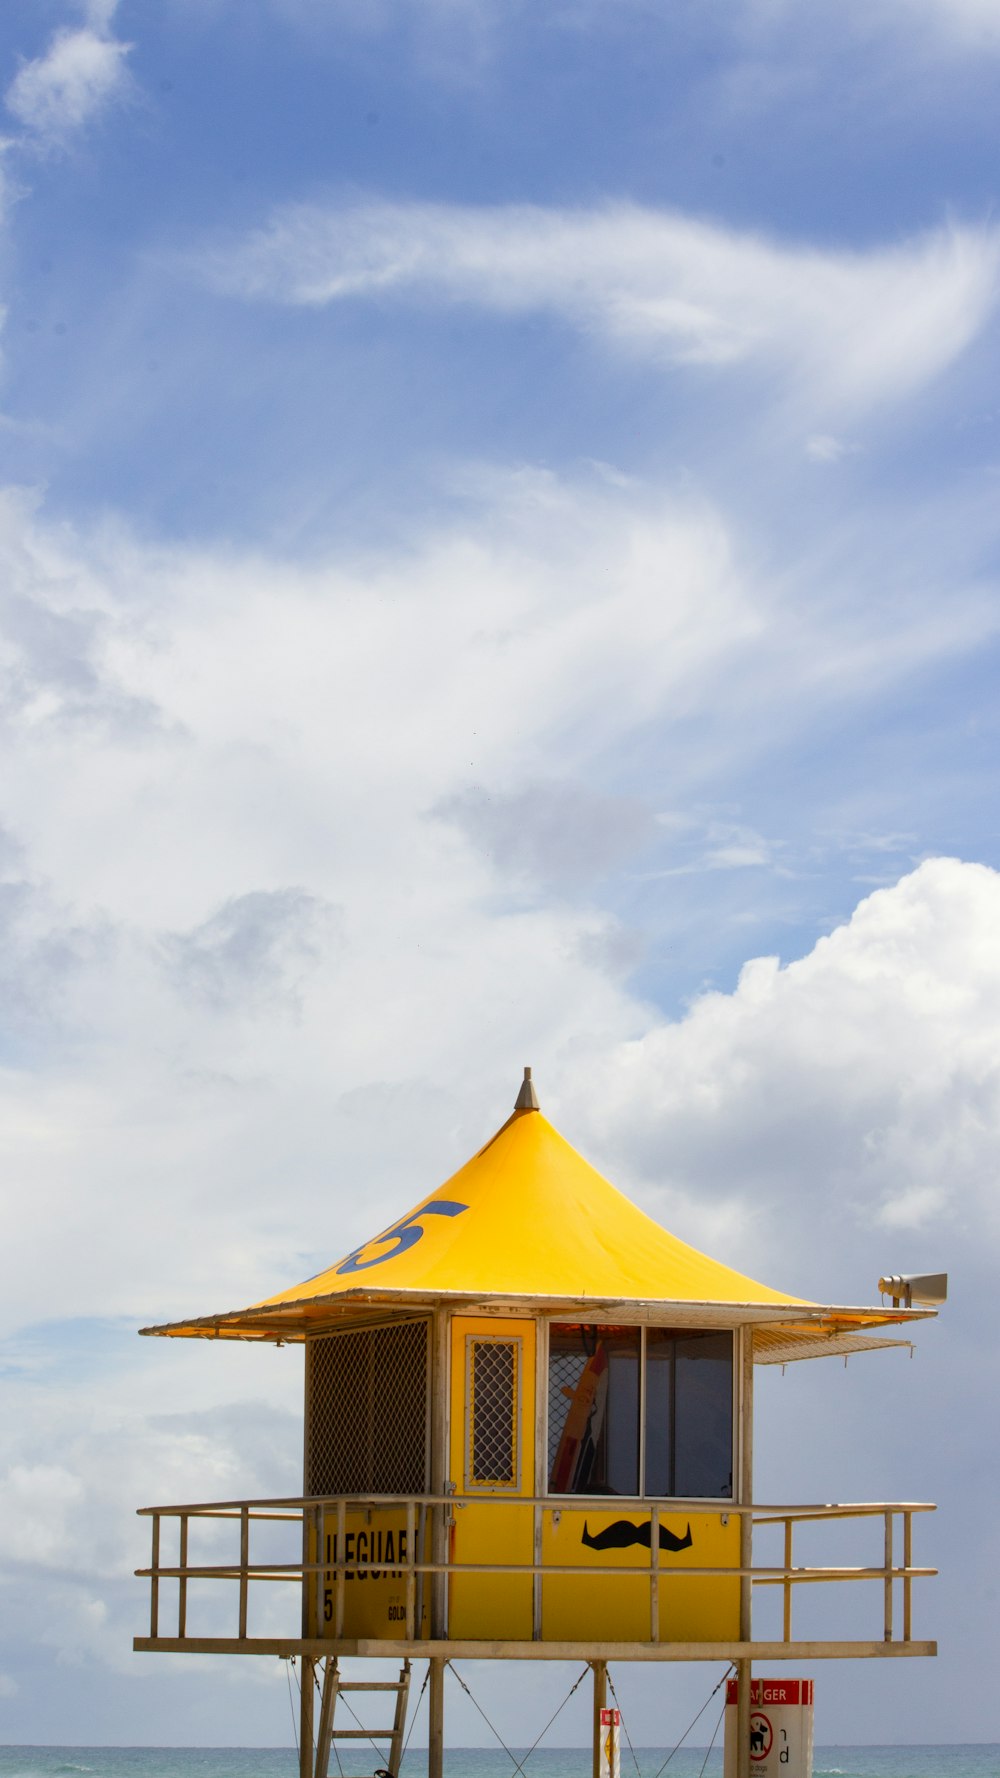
498, 562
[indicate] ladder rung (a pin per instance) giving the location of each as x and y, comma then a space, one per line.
363, 1734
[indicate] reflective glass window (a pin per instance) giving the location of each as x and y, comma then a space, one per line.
593, 1409
600, 1391
689, 1413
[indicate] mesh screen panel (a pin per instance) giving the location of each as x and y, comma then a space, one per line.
368, 1411
493, 1456
565, 1371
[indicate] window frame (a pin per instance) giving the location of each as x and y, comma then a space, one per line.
564, 1320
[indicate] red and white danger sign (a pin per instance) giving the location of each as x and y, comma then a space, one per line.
781, 1728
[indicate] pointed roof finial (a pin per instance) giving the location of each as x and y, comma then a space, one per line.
527, 1098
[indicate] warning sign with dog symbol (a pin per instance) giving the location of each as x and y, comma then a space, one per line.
781, 1728
761, 1736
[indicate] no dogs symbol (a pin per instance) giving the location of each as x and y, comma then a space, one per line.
761, 1735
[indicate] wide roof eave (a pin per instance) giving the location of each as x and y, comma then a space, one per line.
292, 1321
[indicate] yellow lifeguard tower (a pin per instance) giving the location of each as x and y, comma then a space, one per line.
528, 1435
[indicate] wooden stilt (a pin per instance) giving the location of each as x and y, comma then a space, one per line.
435, 1733
328, 1704
743, 1681
307, 1668
438, 1583
600, 1703
743, 1668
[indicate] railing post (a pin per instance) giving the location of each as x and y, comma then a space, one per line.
888, 1574
411, 1573
154, 1580
654, 1575
317, 1579
244, 1576
788, 1581
536, 1577
907, 1583
341, 1577
182, 1585
422, 1579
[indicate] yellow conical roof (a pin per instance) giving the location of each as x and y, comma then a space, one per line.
527, 1219
528, 1216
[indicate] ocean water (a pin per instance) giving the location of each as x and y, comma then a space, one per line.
975, 1760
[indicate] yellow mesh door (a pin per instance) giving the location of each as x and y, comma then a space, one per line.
492, 1466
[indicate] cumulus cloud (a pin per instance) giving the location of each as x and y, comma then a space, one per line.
851, 1098
77, 76
857, 329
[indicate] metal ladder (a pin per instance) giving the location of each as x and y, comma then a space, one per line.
333, 1686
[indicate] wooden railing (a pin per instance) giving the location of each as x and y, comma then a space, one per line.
429, 1562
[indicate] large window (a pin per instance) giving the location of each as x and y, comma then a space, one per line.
636, 1410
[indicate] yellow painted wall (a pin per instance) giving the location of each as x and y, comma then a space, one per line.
376, 1547
482, 1605
575, 1608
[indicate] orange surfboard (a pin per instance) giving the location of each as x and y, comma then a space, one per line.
583, 1421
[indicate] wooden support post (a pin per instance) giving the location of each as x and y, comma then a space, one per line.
745, 1494
907, 1583
307, 1663
541, 1472
787, 1624
743, 1682
435, 1731
439, 1469
328, 1704
600, 1703
744, 1674
307, 1668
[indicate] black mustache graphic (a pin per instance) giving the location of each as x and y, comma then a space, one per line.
622, 1534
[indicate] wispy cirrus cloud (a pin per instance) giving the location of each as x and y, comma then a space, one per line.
857, 329
80, 72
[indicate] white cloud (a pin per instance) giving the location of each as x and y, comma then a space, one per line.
228, 883
851, 1099
969, 25
855, 330
79, 74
